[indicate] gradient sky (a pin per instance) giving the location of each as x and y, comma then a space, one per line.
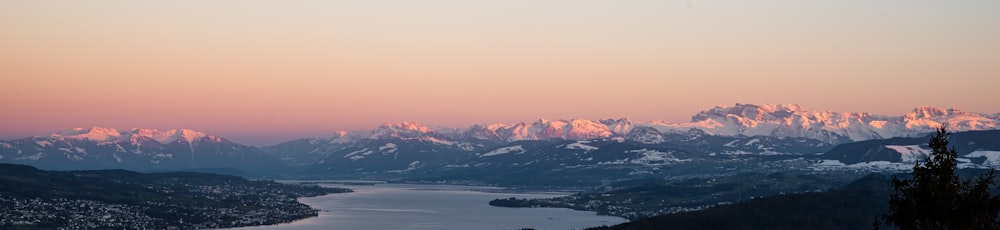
260, 72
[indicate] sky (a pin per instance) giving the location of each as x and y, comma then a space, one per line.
261, 72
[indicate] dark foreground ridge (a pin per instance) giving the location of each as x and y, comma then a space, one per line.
853, 206
638, 199
120, 199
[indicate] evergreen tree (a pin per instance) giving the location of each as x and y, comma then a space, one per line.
937, 198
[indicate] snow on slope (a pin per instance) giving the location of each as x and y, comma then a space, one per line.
652, 157
750, 120
504, 150
793, 121
782, 121
992, 157
910, 153
542, 129
100, 134
581, 145
404, 129
168, 136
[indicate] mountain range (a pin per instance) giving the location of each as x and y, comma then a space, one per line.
135, 149
783, 121
729, 134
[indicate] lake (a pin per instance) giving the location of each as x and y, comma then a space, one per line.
413, 206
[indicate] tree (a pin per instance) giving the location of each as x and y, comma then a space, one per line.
937, 198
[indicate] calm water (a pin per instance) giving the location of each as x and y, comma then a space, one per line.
407, 206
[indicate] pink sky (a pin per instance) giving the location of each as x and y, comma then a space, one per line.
266, 71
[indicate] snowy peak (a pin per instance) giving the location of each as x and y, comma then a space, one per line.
541, 129
930, 112
169, 136
404, 129
620, 126
926, 117
927, 112
408, 126
748, 112
545, 129
792, 121
580, 129
98, 134
781, 121
175, 135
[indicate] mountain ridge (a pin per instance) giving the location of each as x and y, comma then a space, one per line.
721, 132
783, 121
134, 149
104, 134
777, 120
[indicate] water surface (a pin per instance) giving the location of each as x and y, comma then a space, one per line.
409, 206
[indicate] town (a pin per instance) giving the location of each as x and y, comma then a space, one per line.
156, 201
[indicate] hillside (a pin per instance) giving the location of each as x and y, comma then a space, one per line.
35, 198
853, 206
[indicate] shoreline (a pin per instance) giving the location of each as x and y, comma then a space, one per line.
344, 210
299, 201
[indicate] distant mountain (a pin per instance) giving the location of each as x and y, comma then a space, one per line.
542, 129
832, 127
779, 121
502, 150
411, 148
136, 149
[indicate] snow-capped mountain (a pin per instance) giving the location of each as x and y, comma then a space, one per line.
404, 129
351, 149
136, 149
723, 132
621, 126
101, 134
780, 121
832, 127
727, 130
542, 129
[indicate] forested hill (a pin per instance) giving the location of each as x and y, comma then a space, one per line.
33, 198
853, 206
